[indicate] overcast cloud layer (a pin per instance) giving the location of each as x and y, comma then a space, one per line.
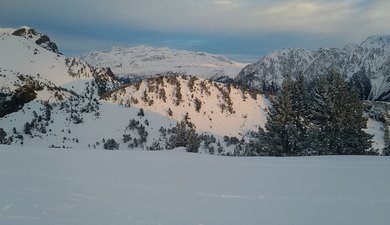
221, 26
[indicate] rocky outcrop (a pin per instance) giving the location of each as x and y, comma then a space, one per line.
40, 39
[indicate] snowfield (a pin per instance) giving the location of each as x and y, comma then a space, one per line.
53, 186
145, 61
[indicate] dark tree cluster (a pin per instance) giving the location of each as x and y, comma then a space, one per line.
320, 117
204, 88
184, 135
209, 142
230, 140
227, 103
141, 130
198, 104
111, 144
191, 83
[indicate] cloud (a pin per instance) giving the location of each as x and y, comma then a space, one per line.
347, 20
212, 16
322, 17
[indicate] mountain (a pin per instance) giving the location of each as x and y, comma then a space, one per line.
204, 103
367, 66
37, 71
50, 100
38, 86
142, 61
40, 39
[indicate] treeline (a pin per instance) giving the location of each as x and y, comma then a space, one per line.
323, 116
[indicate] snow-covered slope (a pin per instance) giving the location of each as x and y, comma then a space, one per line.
35, 81
48, 99
138, 117
83, 187
367, 65
143, 61
21, 54
212, 107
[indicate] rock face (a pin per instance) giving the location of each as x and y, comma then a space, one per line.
367, 66
40, 39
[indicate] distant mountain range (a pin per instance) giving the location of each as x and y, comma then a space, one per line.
144, 62
366, 66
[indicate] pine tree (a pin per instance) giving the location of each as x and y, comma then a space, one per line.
193, 141
111, 144
184, 135
170, 113
301, 109
3, 137
179, 139
141, 112
283, 121
257, 144
325, 117
338, 118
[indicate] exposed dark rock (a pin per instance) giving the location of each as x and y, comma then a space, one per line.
41, 39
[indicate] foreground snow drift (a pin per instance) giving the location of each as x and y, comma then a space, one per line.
46, 186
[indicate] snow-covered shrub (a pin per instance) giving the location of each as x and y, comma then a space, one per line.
3, 137
111, 145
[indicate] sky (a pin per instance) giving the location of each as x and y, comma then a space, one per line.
243, 30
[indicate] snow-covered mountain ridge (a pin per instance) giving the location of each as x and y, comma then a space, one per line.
48, 99
28, 69
143, 61
29, 33
367, 66
36, 81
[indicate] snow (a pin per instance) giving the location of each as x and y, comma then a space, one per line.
6, 30
248, 113
23, 56
55, 69
376, 128
369, 58
46, 186
149, 61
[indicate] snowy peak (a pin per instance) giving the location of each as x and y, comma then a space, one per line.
351, 47
33, 73
377, 42
26, 32
367, 66
40, 39
144, 61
